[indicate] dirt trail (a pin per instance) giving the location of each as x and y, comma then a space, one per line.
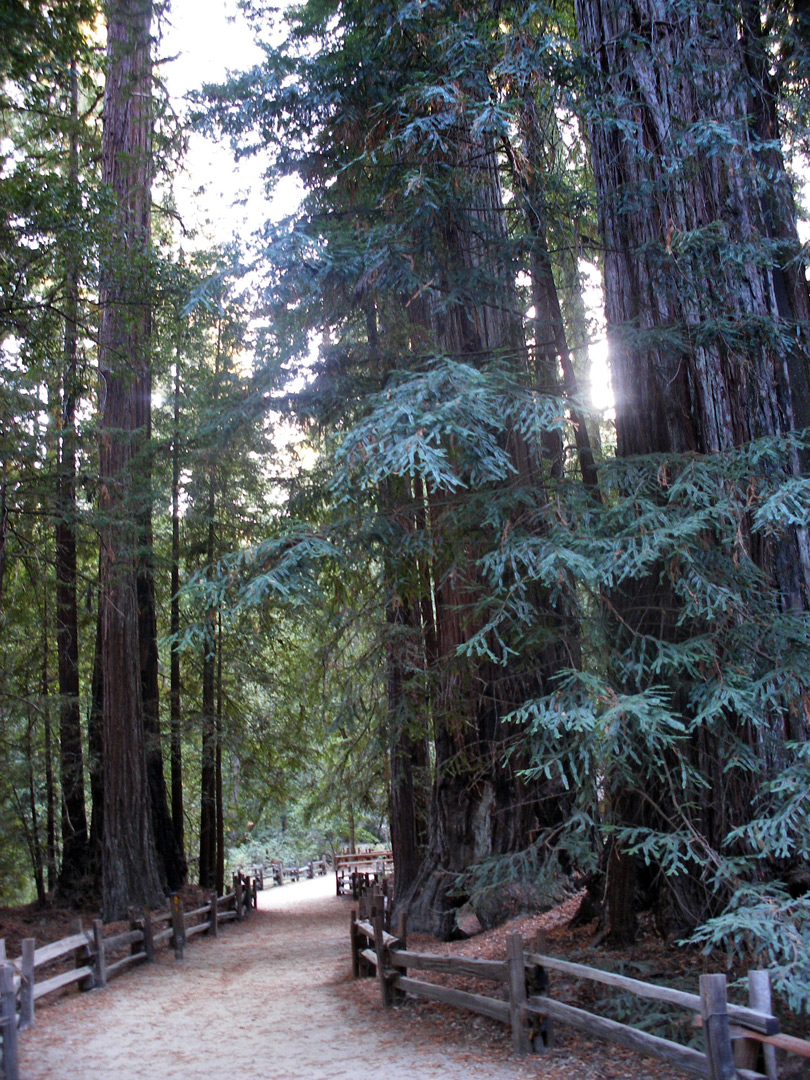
268, 999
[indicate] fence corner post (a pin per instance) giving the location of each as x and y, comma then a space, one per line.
213, 917
716, 1027
8, 1021
517, 994
29, 947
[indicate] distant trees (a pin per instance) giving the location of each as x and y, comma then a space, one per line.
76, 243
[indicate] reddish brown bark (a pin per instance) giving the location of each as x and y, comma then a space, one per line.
706, 302
130, 874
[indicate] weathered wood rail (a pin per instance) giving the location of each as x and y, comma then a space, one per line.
358, 872
91, 958
739, 1041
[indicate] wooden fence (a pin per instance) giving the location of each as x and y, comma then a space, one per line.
359, 872
740, 1042
278, 872
90, 958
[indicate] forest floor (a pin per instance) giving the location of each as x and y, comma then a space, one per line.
272, 998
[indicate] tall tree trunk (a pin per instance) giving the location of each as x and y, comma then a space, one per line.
51, 849
35, 843
220, 875
551, 352
173, 863
175, 711
408, 743
75, 840
95, 749
50, 792
130, 873
95, 757
208, 770
3, 520
208, 765
703, 289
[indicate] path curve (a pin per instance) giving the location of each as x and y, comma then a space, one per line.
268, 999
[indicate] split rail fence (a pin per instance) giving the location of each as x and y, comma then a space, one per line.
740, 1042
91, 959
360, 871
278, 872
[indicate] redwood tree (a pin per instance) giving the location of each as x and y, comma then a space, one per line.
708, 315
130, 874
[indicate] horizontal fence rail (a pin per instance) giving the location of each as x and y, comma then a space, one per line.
739, 1041
90, 958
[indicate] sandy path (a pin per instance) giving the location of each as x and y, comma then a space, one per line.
267, 999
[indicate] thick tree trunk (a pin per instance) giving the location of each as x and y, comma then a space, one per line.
130, 873
75, 840
480, 808
706, 303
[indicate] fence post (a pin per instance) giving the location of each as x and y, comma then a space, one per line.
386, 903
213, 917
100, 957
237, 888
8, 1021
148, 937
517, 994
716, 1029
541, 1034
135, 924
29, 947
382, 955
748, 1053
83, 956
402, 944
355, 945
178, 926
